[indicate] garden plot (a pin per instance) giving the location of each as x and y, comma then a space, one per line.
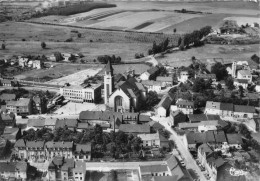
244, 20
132, 20
76, 78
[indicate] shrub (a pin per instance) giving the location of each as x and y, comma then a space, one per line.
69, 40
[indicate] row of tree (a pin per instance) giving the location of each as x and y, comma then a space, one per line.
113, 59
158, 48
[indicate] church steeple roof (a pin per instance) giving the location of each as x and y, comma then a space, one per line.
109, 67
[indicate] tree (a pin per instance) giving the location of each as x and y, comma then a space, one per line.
229, 83
58, 56
179, 42
152, 100
3, 46
19, 134
43, 45
241, 91
219, 86
219, 70
174, 30
79, 35
199, 85
112, 176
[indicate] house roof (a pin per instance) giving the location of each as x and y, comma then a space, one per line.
244, 72
80, 166
19, 143
152, 136
7, 166
213, 105
21, 166
241, 81
164, 79
99, 115
244, 109
206, 76
63, 144
135, 128
220, 136
71, 123
35, 144
36, 123
7, 117
205, 148
83, 147
217, 162
144, 118
20, 102
50, 122
197, 117
152, 70
7, 97
6, 81
234, 138
151, 83
84, 126
155, 125
226, 106
11, 130
185, 103
153, 168
165, 102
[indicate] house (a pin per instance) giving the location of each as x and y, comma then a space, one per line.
150, 74
83, 152
206, 77
195, 118
154, 140
235, 140
226, 109
209, 160
23, 62
165, 81
163, 108
62, 149
244, 74
83, 126
257, 88
241, 111
183, 77
60, 168
36, 123
201, 127
187, 107
21, 107
37, 64
152, 85
20, 149
154, 170
10, 134
8, 119
13, 170
7, 97
241, 82
144, 119
79, 172
7, 83
212, 108
135, 128
50, 123
177, 117
71, 124
40, 105
86, 93
35, 151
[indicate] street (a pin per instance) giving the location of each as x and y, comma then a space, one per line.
188, 159
107, 166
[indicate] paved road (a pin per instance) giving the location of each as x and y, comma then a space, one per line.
107, 166
188, 159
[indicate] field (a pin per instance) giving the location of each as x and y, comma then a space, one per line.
76, 78
244, 20
228, 53
159, 16
59, 70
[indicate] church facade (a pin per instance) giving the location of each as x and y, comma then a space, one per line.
122, 96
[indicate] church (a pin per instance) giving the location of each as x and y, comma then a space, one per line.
124, 95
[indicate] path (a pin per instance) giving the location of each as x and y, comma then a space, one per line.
188, 159
107, 166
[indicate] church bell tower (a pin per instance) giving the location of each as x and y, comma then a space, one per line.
108, 81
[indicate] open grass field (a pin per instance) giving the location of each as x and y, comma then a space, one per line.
160, 16
59, 70
228, 53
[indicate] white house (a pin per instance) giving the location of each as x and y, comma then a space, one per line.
154, 140
185, 106
212, 108
144, 76
184, 76
241, 111
241, 82
152, 85
79, 172
244, 74
164, 105
23, 62
257, 88
37, 64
